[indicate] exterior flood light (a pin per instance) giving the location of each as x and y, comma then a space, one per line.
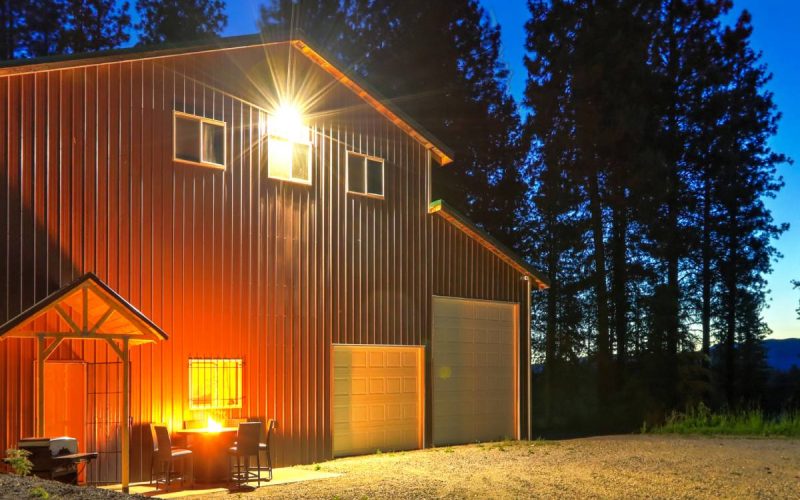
287, 123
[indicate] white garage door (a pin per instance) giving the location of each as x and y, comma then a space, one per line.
377, 399
474, 370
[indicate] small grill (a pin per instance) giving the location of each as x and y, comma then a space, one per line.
56, 458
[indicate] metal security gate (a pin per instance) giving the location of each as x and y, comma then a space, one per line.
104, 422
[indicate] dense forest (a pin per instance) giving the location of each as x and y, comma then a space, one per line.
635, 180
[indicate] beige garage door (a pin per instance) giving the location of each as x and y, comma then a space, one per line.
377, 399
474, 366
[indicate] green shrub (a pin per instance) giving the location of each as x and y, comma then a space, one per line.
701, 420
39, 492
18, 460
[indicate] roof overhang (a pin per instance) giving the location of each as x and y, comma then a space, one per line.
372, 97
87, 309
460, 221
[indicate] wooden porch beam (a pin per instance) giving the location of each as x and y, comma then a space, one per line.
61, 312
115, 346
102, 320
126, 410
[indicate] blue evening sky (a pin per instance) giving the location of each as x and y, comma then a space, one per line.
775, 34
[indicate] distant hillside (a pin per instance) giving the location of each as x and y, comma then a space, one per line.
782, 353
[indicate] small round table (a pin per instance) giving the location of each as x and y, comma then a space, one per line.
210, 452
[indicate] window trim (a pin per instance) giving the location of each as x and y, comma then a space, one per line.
202, 120
239, 382
308, 143
365, 158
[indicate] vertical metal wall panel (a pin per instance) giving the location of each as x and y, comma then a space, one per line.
230, 263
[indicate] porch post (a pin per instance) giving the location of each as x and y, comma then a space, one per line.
126, 410
40, 387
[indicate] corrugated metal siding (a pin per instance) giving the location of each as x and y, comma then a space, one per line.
229, 263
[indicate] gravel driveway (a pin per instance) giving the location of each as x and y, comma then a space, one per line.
600, 467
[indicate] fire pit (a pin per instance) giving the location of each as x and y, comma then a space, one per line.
56, 458
209, 445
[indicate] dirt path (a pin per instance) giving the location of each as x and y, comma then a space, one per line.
604, 467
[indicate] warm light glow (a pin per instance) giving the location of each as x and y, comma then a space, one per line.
287, 123
212, 425
215, 383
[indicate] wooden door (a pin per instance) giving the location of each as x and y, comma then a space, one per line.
65, 402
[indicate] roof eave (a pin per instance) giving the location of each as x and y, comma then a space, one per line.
460, 221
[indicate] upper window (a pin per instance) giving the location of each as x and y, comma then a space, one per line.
215, 383
288, 149
200, 141
364, 174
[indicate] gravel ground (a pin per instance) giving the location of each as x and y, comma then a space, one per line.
600, 467
30, 487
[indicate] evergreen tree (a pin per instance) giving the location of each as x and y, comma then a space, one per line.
43, 29
48, 27
657, 115
327, 21
93, 25
796, 284
10, 27
180, 20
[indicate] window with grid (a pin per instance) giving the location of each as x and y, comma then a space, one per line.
215, 383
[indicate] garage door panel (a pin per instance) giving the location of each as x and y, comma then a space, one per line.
473, 358
377, 403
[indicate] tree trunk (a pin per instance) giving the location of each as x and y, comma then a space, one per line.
601, 292
705, 313
730, 316
552, 315
620, 277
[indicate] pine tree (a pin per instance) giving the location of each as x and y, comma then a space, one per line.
93, 25
48, 27
747, 176
326, 21
10, 27
164, 21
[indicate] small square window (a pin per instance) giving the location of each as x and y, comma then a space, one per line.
199, 140
288, 161
215, 383
365, 174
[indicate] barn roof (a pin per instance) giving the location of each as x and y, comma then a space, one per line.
460, 221
362, 89
86, 307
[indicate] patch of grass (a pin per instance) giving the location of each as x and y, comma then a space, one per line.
317, 467
39, 492
543, 442
703, 421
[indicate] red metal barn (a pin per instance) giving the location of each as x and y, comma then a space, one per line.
263, 220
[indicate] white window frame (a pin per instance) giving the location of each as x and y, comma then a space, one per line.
364, 158
292, 141
201, 120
